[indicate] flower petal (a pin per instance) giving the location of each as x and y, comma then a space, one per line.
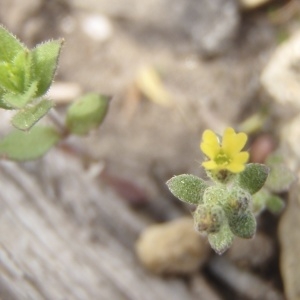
241, 158
235, 168
210, 165
232, 142
209, 151
210, 144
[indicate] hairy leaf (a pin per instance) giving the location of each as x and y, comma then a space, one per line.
44, 62
24, 119
9, 45
22, 146
253, 177
187, 188
86, 113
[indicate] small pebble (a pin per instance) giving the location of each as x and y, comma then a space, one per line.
172, 248
97, 27
64, 92
252, 4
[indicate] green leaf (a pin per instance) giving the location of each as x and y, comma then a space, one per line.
275, 204
86, 113
187, 188
2, 103
280, 178
21, 146
14, 76
253, 177
24, 119
20, 100
209, 218
44, 63
259, 200
9, 45
222, 240
216, 195
243, 225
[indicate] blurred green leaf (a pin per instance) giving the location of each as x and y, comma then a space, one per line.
259, 200
220, 241
280, 178
86, 113
243, 225
25, 118
9, 45
20, 100
187, 188
275, 204
14, 76
44, 63
21, 146
253, 177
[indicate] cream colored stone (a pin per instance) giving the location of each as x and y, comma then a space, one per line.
173, 247
251, 4
281, 77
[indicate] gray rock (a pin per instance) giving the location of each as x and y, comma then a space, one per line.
280, 77
289, 236
211, 25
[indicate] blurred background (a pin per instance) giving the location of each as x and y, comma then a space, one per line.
72, 224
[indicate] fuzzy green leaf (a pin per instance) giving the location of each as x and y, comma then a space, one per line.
275, 204
2, 103
253, 177
187, 188
243, 225
86, 113
222, 240
259, 200
209, 218
9, 45
44, 62
215, 195
22, 146
14, 76
24, 119
280, 178
20, 100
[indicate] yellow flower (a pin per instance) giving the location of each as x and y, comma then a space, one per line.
225, 154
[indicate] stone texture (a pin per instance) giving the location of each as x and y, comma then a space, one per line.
289, 236
210, 24
242, 251
280, 77
171, 248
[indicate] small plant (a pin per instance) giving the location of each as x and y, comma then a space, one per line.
25, 77
226, 205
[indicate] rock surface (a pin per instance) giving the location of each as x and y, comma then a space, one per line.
172, 248
281, 76
210, 24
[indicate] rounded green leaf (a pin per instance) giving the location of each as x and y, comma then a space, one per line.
222, 240
21, 146
208, 218
187, 188
280, 178
275, 204
243, 225
253, 177
259, 200
86, 113
25, 118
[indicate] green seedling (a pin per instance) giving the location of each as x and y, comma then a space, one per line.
227, 204
25, 77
